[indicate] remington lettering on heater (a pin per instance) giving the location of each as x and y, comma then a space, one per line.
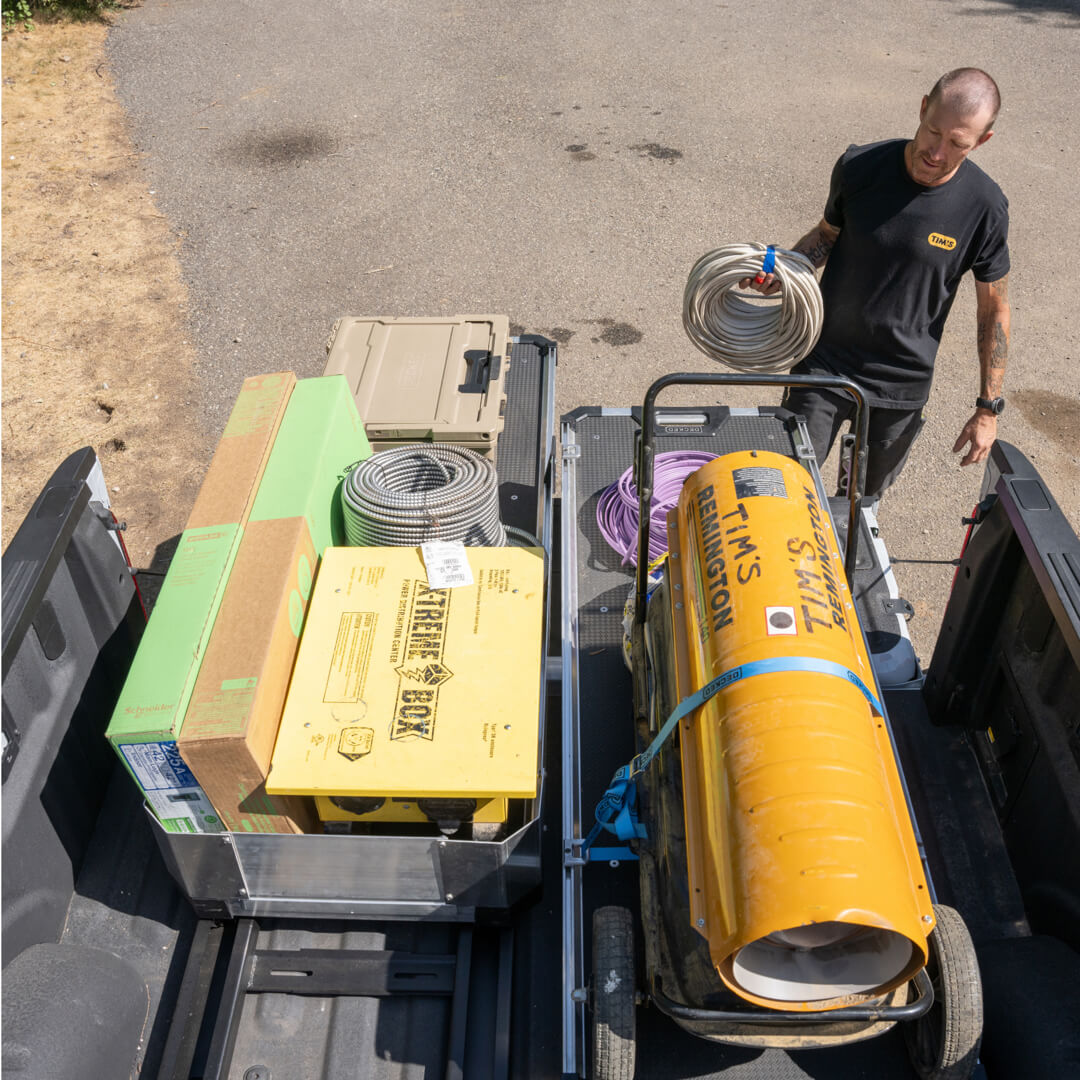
712, 569
822, 606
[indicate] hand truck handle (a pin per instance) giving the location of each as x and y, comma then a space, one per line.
647, 455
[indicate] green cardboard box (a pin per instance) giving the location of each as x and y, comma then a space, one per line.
320, 442
152, 704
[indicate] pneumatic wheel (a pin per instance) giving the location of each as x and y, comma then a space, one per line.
613, 994
944, 1043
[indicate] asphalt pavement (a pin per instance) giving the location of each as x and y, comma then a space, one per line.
566, 164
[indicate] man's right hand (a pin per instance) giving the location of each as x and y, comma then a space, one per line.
767, 284
815, 245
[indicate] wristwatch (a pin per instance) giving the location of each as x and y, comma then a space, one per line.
995, 405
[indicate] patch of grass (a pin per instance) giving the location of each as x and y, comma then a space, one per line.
20, 14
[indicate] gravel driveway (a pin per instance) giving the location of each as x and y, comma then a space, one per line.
567, 163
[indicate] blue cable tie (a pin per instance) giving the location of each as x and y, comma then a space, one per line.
616, 811
770, 260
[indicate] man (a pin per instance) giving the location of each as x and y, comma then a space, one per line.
903, 223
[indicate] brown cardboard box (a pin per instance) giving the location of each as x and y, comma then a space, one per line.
230, 485
232, 720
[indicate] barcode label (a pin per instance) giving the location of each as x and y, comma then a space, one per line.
447, 564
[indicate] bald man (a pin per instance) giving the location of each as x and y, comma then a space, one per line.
904, 222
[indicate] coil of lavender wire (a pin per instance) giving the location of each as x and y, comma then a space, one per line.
617, 510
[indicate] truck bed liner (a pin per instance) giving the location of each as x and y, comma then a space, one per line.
76, 823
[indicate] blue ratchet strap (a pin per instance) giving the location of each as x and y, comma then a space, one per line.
612, 854
616, 810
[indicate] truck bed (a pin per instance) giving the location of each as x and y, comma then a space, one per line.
110, 971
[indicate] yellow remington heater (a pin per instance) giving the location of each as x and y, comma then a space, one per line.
803, 872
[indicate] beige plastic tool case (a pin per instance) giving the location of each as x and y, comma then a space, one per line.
425, 380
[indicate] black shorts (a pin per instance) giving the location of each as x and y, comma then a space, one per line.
892, 432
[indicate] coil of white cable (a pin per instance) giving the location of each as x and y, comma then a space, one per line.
409, 495
752, 337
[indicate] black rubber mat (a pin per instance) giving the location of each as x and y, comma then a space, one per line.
968, 860
126, 903
522, 446
394, 1037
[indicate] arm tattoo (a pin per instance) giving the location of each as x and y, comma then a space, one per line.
993, 337
820, 251
1000, 349
815, 245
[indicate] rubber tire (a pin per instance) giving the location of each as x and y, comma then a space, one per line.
944, 1044
614, 993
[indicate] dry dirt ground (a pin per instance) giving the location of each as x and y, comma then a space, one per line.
93, 304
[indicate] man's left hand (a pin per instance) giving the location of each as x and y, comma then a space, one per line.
980, 431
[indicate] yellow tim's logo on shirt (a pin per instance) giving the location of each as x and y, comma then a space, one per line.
946, 243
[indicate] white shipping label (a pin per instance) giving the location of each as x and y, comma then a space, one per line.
447, 564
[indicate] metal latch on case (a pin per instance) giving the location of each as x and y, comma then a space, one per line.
481, 369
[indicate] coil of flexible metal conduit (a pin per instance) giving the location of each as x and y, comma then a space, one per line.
412, 494
757, 337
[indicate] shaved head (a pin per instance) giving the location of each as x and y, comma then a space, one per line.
967, 92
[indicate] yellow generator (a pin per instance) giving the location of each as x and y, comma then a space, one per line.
784, 900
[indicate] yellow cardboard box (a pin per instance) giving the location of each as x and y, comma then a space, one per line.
402, 690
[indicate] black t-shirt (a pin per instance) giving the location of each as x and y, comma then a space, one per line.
891, 278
